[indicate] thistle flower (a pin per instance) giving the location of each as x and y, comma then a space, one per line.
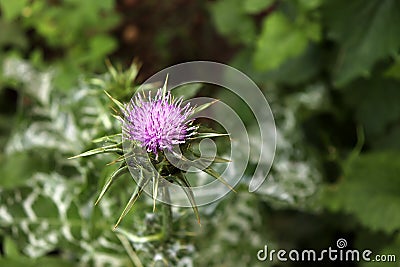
158, 123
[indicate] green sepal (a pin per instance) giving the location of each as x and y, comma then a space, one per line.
156, 179
114, 138
216, 175
136, 194
116, 148
181, 179
207, 135
210, 159
117, 173
204, 106
116, 102
164, 88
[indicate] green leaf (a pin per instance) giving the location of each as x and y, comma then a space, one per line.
370, 190
298, 69
12, 34
279, 41
310, 4
376, 102
394, 70
366, 31
101, 45
47, 200
256, 6
235, 24
12, 9
230, 232
42, 261
36, 84
18, 168
10, 248
187, 91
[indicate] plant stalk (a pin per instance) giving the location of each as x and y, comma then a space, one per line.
166, 214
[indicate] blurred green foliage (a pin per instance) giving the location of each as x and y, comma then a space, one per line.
330, 71
329, 68
71, 35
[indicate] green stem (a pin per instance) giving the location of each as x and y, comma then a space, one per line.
166, 214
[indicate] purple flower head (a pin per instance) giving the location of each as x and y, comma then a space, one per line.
158, 123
